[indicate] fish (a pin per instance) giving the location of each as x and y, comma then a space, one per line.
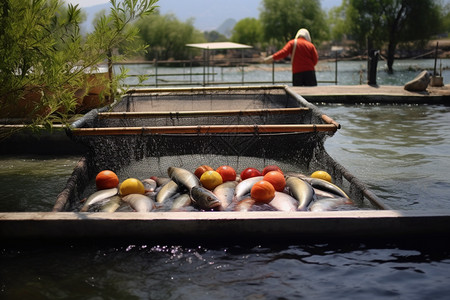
328, 204
301, 191
112, 205
204, 199
245, 186
284, 202
149, 185
183, 177
245, 204
324, 194
160, 181
181, 201
139, 202
225, 193
327, 186
98, 196
167, 191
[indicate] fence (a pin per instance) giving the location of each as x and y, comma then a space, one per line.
206, 72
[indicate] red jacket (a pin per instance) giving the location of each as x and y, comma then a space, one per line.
305, 58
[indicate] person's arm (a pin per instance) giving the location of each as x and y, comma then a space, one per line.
287, 50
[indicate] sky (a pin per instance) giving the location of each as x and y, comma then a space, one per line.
87, 3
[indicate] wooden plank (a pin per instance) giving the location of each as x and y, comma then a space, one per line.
184, 114
205, 129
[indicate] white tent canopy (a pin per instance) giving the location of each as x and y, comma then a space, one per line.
219, 46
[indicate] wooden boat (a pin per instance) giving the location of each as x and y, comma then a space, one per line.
149, 130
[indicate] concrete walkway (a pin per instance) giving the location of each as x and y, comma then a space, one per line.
351, 94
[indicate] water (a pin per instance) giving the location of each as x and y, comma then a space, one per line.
32, 183
399, 151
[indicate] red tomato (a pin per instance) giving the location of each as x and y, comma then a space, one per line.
106, 180
227, 173
276, 179
262, 192
202, 169
271, 168
250, 172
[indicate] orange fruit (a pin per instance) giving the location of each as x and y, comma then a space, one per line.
269, 168
321, 175
202, 169
276, 179
106, 179
132, 186
250, 172
262, 191
227, 173
210, 179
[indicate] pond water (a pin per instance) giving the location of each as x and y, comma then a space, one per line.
399, 151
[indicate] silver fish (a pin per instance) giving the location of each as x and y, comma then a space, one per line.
245, 204
112, 205
323, 194
284, 202
139, 202
327, 186
160, 181
245, 186
167, 191
225, 193
181, 201
204, 198
300, 190
149, 185
98, 196
329, 204
183, 177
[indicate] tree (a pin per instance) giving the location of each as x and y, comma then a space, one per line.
376, 22
336, 21
281, 19
46, 62
248, 31
167, 36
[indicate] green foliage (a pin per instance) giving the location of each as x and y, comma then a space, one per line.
446, 19
281, 19
167, 36
248, 31
46, 62
336, 21
377, 22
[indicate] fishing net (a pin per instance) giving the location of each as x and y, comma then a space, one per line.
246, 127
227, 122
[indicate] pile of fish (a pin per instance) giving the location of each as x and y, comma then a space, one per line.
182, 191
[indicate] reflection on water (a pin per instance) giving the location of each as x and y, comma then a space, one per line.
33, 183
317, 271
399, 151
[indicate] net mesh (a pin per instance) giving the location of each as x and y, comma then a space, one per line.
145, 155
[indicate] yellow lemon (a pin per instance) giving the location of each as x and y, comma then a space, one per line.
321, 175
132, 186
211, 179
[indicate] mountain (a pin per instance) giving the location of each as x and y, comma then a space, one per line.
226, 27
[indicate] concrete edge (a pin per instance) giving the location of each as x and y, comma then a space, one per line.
225, 226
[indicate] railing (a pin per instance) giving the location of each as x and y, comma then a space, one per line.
197, 72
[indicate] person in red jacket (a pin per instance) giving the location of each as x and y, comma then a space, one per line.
304, 58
